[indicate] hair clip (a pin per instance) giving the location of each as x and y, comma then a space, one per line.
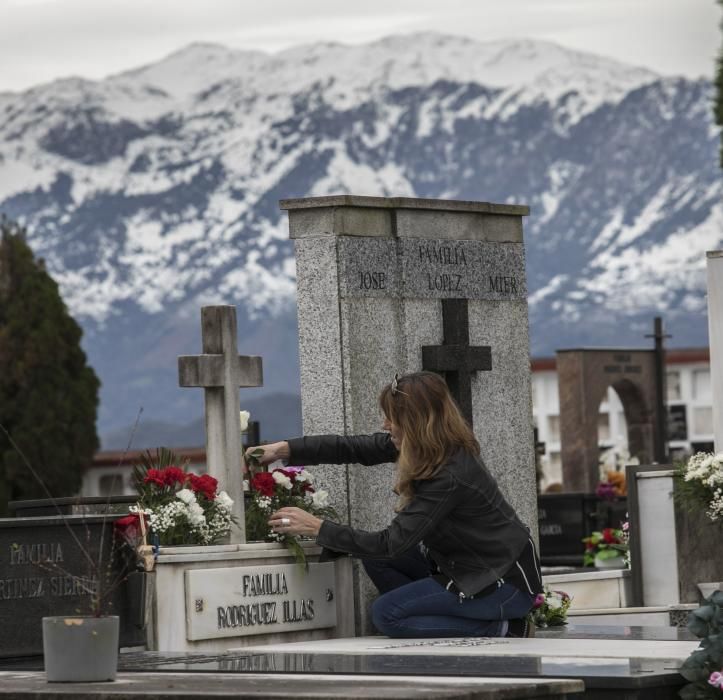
395, 386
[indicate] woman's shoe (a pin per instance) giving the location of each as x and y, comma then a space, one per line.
520, 627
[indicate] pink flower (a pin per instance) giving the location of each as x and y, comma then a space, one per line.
716, 679
539, 601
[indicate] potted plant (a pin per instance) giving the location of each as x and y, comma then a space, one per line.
607, 549
84, 647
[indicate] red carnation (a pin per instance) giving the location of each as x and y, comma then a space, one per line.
154, 476
174, 475
129, 527
609, 536
264, 483
205, 485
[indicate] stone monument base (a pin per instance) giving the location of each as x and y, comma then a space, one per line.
219, 597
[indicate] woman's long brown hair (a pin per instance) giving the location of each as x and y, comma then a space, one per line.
431, 427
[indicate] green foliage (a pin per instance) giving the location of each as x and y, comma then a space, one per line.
48, 393
706, 623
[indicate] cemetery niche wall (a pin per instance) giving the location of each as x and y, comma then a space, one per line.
584, 376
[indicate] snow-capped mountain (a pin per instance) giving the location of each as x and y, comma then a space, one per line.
156, 191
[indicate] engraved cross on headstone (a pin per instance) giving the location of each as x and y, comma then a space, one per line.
220, 371
456, 358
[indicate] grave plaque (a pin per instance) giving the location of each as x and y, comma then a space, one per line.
235, 602
44, 571
463, 270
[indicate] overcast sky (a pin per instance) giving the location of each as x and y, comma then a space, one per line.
41, 40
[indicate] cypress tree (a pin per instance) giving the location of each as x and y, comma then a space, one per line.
48, 393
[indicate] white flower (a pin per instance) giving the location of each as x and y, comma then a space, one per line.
281, 479
244, 417
224, 500
186, 495
195, 515
554, 602
320, 498
246, 485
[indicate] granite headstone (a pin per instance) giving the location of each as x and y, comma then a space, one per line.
45, 571
372, 274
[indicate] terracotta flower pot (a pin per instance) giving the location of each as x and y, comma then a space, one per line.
79, 649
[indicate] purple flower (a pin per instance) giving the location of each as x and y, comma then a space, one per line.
605, 491
539, 601
716, 679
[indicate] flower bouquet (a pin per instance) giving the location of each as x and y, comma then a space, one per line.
288, 486
602, 547
700, 483
181, 507
550, 608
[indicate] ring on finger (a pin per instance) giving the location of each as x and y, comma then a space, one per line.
285, 521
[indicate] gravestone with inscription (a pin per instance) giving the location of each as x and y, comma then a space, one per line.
237, 593
391, 285
44, 570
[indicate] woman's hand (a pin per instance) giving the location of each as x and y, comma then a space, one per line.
271, 452
294, 521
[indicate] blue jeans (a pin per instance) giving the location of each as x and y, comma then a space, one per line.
419, 606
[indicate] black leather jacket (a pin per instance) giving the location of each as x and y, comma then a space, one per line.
469, 529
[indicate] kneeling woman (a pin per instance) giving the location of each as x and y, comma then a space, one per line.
456, 560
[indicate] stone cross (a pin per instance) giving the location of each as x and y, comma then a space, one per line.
220, 371
714, 264
456, 357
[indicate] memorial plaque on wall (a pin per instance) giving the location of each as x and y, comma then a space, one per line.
233, 602
437, 269
44, 571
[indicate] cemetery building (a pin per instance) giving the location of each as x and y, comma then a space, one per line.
689, 404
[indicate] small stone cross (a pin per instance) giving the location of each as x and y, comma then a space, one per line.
456, 358
220, 371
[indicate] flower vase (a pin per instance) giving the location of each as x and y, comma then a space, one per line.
80, 649
617, 562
